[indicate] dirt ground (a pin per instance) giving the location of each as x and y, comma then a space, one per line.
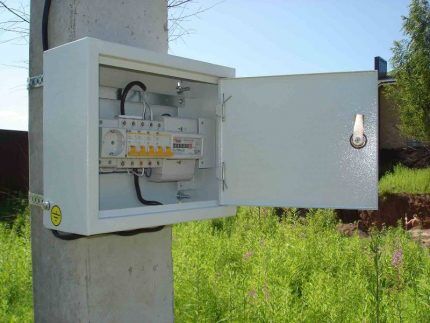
410, 211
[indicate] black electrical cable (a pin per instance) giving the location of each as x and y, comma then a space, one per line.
45, 18
147, 173
66, 236
125, 92
72, 236
137, 231
139, 193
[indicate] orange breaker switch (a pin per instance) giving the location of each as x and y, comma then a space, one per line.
142, 151
160, 151
133, 151
169, 152
151, 151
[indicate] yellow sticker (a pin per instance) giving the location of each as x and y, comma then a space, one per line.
56, 215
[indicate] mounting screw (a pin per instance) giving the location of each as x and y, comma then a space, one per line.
46, 205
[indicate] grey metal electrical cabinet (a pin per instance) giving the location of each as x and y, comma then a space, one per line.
272, 141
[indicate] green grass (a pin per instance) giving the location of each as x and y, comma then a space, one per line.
253, 268
16, 304
405, 180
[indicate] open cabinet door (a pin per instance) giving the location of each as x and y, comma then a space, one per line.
285, 141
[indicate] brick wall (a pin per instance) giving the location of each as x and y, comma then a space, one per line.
13, 160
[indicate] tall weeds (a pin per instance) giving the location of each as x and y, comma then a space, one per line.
255, 267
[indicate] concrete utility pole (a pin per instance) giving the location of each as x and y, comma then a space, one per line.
99, 279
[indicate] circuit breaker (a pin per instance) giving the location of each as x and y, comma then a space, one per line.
168, 153
136, 139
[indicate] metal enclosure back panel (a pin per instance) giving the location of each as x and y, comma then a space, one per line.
285, 141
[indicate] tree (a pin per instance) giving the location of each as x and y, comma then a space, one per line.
180, 12
411, 68
14, 22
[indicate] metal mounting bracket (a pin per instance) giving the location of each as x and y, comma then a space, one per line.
152, 98
38, 200
34, 81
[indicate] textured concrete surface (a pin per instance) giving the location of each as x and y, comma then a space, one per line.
109, 278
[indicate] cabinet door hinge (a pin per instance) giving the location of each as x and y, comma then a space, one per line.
38, 200
221, 113
224, 182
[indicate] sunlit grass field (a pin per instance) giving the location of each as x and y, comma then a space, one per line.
259, 267
16, 304
405, 180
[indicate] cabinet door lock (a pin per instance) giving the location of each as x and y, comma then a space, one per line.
358, 139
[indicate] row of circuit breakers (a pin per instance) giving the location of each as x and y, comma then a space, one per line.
168, 148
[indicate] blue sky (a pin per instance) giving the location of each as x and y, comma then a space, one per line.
257, 38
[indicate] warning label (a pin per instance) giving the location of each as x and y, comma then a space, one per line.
56, 215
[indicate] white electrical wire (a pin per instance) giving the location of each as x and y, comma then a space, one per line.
146, 104
132, 172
